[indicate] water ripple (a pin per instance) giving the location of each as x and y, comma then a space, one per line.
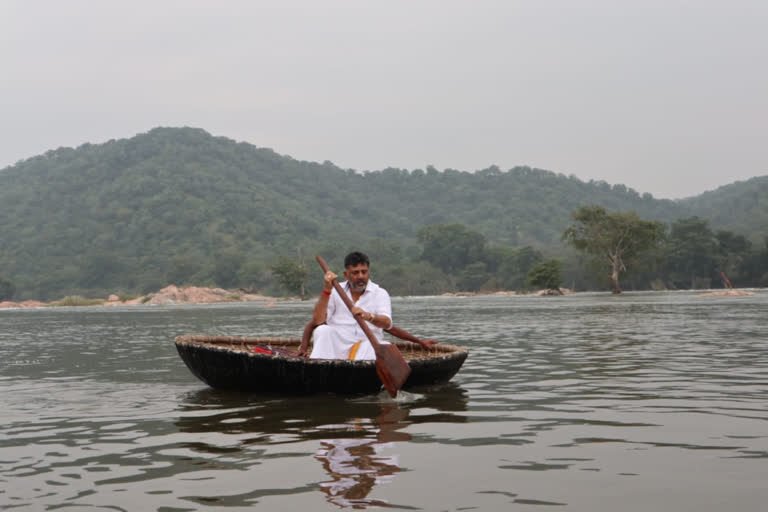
591, 402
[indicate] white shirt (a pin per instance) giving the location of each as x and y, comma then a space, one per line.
374, 299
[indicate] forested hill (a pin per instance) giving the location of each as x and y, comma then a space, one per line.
741, 207
177, 204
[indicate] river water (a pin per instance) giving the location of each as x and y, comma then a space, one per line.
647, 401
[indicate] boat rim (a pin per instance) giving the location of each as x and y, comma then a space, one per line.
244, 344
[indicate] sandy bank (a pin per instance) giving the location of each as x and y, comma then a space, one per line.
193, 295
169, 295
726, 293
563, 291
26, 304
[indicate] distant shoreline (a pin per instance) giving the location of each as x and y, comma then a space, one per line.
201, 295
173, 294
169, 295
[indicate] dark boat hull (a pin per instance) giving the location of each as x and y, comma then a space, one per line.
230, 363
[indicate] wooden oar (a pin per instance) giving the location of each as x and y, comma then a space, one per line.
391, 366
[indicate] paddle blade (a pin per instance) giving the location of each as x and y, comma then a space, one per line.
392, 368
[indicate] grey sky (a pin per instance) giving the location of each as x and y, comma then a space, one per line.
667, 97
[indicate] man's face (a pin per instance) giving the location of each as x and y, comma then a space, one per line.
357, 275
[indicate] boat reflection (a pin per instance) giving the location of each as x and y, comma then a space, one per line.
357, 440
356, 465
313, 417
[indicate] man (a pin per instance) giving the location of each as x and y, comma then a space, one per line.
341, 337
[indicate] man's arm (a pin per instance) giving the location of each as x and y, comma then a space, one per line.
381, 321
382, 318
320, 312
405, 335
304, 346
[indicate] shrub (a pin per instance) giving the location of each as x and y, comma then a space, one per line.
77, 300
546, 275
7, 290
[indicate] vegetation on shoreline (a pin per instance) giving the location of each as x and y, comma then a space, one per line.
76, 300
618, 239
7, 290
169, 295
177, 205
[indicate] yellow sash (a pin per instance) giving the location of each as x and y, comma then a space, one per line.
353, 350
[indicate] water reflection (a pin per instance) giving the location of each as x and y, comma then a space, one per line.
280, 419
644, 402
355, 440
356, 465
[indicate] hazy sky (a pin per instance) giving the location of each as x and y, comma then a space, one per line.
667, 97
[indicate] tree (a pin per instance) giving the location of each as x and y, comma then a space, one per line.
691, 252
755, 266
291, 275
101, 269
226, 268
7, 290
473, 276
451, 247
616, 238
418, 278
253, 275
733, 251
511, 266
546, 274
182, 268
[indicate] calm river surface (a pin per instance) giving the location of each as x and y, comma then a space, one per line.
648, 401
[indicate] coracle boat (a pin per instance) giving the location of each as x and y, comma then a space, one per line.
273, 364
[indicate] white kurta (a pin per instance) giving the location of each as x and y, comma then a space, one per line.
341, 330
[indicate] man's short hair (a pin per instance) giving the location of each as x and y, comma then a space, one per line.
356, 258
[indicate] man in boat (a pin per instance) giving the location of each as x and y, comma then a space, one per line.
337, 334
341, 337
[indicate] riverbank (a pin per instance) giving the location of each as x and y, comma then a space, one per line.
559, 291
200, 295
169, 295
726, 293
559, 400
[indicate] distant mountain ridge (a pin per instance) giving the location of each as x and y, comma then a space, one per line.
741, 207
132, 213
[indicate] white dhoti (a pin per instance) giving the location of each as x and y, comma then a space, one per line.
337, 342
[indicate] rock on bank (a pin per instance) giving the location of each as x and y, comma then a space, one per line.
197, 295
169, 295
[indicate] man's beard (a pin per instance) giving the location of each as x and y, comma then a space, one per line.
356, 288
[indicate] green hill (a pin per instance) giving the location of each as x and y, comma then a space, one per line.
741, 207
179, 205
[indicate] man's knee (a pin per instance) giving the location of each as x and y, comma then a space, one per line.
321, 332
322, 344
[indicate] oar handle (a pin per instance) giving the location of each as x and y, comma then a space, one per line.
348, 302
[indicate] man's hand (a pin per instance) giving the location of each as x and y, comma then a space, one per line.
328, 280
305, 336
364, 315
428, 344
405, 335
